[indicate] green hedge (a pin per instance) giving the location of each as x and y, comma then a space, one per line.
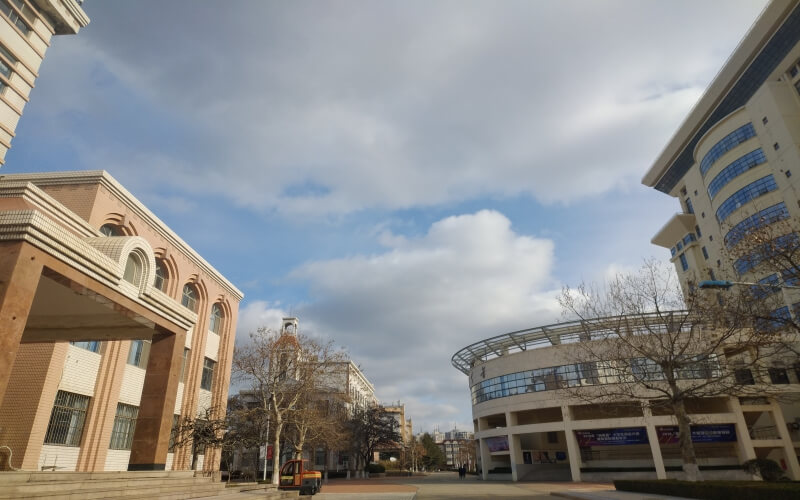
375, 468
714, 490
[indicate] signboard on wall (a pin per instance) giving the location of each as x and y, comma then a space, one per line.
498, 443
612, 437
712, 433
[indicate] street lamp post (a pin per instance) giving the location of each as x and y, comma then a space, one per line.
725, 284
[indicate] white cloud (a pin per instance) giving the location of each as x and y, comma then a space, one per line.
403, 313
396, 106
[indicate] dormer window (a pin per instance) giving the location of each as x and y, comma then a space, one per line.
133, 270
111, 230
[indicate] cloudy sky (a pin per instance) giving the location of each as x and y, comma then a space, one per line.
405, 177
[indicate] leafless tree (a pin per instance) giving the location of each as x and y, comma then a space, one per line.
643, 342
205, 430
282, 372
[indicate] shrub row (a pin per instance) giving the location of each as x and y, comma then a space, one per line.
714, 490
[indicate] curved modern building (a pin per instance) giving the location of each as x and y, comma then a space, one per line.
535, 419
734, 163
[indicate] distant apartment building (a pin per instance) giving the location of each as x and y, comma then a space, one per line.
734, 162
458, 448
112, 327
26, 29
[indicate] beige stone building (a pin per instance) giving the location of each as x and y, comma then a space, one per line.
534, 420
734, 163
111, 326
26, 29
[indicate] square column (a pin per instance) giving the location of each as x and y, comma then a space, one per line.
655, 446
788, 447
154, 423
20, 270
515, 450
744, 444
573, 450
484, 449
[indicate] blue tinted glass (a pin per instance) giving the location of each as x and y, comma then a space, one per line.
762, 218
735, 169
725, 144
750, 192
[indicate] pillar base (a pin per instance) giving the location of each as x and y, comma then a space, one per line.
135, 467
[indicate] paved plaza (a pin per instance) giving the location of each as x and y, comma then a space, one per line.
445, 485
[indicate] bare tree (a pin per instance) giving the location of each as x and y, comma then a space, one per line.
766, 250
317, 420
643, 342
282, 372
205, 430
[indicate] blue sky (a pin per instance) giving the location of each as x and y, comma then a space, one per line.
406, 177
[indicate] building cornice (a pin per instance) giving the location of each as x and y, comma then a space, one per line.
753, 61
104, 179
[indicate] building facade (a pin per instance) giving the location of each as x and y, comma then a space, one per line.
733, 165
26, 30
533, 421
113, 326
734, 161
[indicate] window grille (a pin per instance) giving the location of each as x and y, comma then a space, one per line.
124, 425
66, 421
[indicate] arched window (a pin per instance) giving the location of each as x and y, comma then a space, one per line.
215, 320
189, 298
133, 270
111, 230
160, 280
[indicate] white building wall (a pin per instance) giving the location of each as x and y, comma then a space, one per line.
117, 460
170, 459
132, 383
179, 399
64, 458
212, 346
80, 371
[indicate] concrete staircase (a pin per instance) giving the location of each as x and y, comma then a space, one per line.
168, 485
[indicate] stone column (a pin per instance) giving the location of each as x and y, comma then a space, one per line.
515, 450
573, 450
655, 446
793, 468
154, 423
20, 269
744, 444
485, 459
